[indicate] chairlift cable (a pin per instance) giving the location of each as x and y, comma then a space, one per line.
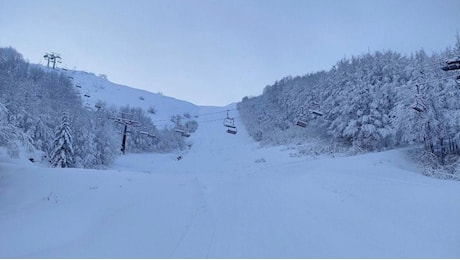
414, 84
199, 115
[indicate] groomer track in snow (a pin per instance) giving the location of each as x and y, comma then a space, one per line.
227, 198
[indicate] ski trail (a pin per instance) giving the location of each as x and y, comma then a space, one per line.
181, 248
229, 199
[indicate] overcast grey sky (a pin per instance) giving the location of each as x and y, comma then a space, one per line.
214, 52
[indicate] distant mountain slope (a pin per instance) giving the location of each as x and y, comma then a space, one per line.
95, 88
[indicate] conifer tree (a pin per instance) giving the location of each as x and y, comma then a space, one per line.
62, 153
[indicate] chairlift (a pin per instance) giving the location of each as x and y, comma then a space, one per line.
316, 112
232, 131
77, 86
418, 105
229, 122
180, 130
87, 95
301, 120
451, 64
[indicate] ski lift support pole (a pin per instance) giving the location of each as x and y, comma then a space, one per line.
126, 122
123, 142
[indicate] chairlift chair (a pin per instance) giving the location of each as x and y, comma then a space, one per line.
452, 64
316, 112
180, 130
229, 122
301, 120
232, 131
418, 105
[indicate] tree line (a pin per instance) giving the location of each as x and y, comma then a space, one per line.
371, 102
41, 112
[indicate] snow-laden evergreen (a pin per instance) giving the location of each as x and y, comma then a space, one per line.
368, 103
32, 99
62, 155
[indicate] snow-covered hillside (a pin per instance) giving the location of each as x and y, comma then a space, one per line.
97, 88
228, 198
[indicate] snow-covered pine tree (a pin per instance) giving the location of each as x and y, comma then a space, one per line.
62, 153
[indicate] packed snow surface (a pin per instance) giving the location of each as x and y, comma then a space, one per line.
229, 198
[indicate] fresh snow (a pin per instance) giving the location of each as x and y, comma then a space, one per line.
94, 88
229, 198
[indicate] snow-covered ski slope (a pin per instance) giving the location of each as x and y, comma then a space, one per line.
226, 198
94, 88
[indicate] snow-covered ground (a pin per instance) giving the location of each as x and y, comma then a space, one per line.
227, 198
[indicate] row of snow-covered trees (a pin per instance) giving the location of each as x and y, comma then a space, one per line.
40, 110
367, 103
